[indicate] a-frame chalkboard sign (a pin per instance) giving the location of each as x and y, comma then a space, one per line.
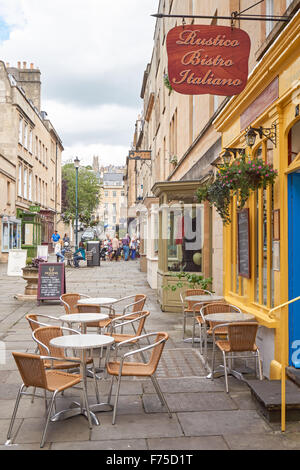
52, 281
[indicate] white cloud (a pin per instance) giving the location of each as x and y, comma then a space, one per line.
108, 154
92, 55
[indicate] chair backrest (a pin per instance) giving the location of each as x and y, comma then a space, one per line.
44, 336
32, 370
157, 350
120, 322
219, 307
70, 302
195, 292
139, 303
88, 308
242, 335
32, 320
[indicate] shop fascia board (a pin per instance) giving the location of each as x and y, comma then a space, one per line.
263, 73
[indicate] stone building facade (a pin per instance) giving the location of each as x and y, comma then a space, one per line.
30, 152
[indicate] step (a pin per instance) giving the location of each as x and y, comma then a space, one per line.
293, 374
267, 396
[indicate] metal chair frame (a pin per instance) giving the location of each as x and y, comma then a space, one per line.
204, 324
189, 314
230, 356
153, 377
52, 402
66, 305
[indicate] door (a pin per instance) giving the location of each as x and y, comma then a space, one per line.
294, 267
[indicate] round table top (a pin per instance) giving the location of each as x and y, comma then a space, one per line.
83, 317
97, 301
230, 317
81, 341
204, 298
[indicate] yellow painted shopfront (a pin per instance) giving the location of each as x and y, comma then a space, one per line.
270, 104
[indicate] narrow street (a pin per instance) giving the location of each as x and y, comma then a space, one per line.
203, 415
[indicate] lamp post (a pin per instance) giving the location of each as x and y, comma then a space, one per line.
76, 164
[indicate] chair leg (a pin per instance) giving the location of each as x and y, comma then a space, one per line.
225, 370
193, 333
200, 338
184, 324
110, 389
160, 394
48, 419
15, 411
95, 383
116, 399
213, 360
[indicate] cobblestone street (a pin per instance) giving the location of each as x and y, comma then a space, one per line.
203, 415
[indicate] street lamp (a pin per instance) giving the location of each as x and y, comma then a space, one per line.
76, 164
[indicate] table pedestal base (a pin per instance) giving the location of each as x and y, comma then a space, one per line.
237, 373
76, 409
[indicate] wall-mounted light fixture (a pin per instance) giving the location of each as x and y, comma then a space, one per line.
227, 156
269, 132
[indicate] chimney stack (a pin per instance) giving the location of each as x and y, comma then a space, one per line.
19, 65
24, 65
31, 66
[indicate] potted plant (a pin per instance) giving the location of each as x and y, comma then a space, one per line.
238, 178
195, 281
31, 275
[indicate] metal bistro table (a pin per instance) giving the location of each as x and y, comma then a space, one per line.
229, 317
83, 318
205, 298
101, 301
83, 344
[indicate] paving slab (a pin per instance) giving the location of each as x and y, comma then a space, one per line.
216, 423
188, 443
4, 426
142, 426
186, 384
179, 402
262, 442
130, 444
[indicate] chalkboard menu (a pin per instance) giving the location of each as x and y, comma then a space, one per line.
244, 243
51, 284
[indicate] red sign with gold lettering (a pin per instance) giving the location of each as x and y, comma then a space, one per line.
206, 59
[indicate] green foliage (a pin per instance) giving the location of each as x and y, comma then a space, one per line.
88, 193
194, 281
239, 179
167, 82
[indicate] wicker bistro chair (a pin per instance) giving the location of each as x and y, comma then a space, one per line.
134, 303
34, 320
34, 374
206, 327
122, 368
43, 336
189, 311
122, 321
70, 300
88, 308
241, 339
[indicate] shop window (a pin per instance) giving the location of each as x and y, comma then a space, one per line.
185, 239
294, 142
11, 236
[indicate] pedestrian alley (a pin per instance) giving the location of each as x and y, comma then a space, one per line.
203, 415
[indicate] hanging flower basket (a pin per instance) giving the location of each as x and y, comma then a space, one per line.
239, 179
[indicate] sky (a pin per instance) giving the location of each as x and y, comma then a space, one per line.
92, 55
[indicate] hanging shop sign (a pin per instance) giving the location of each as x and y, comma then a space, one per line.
208, 59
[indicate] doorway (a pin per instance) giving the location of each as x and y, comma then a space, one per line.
294, 267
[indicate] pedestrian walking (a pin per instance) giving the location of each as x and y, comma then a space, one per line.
58, 252
125, 244
79, 255
133, 245
66, 238
115, 248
